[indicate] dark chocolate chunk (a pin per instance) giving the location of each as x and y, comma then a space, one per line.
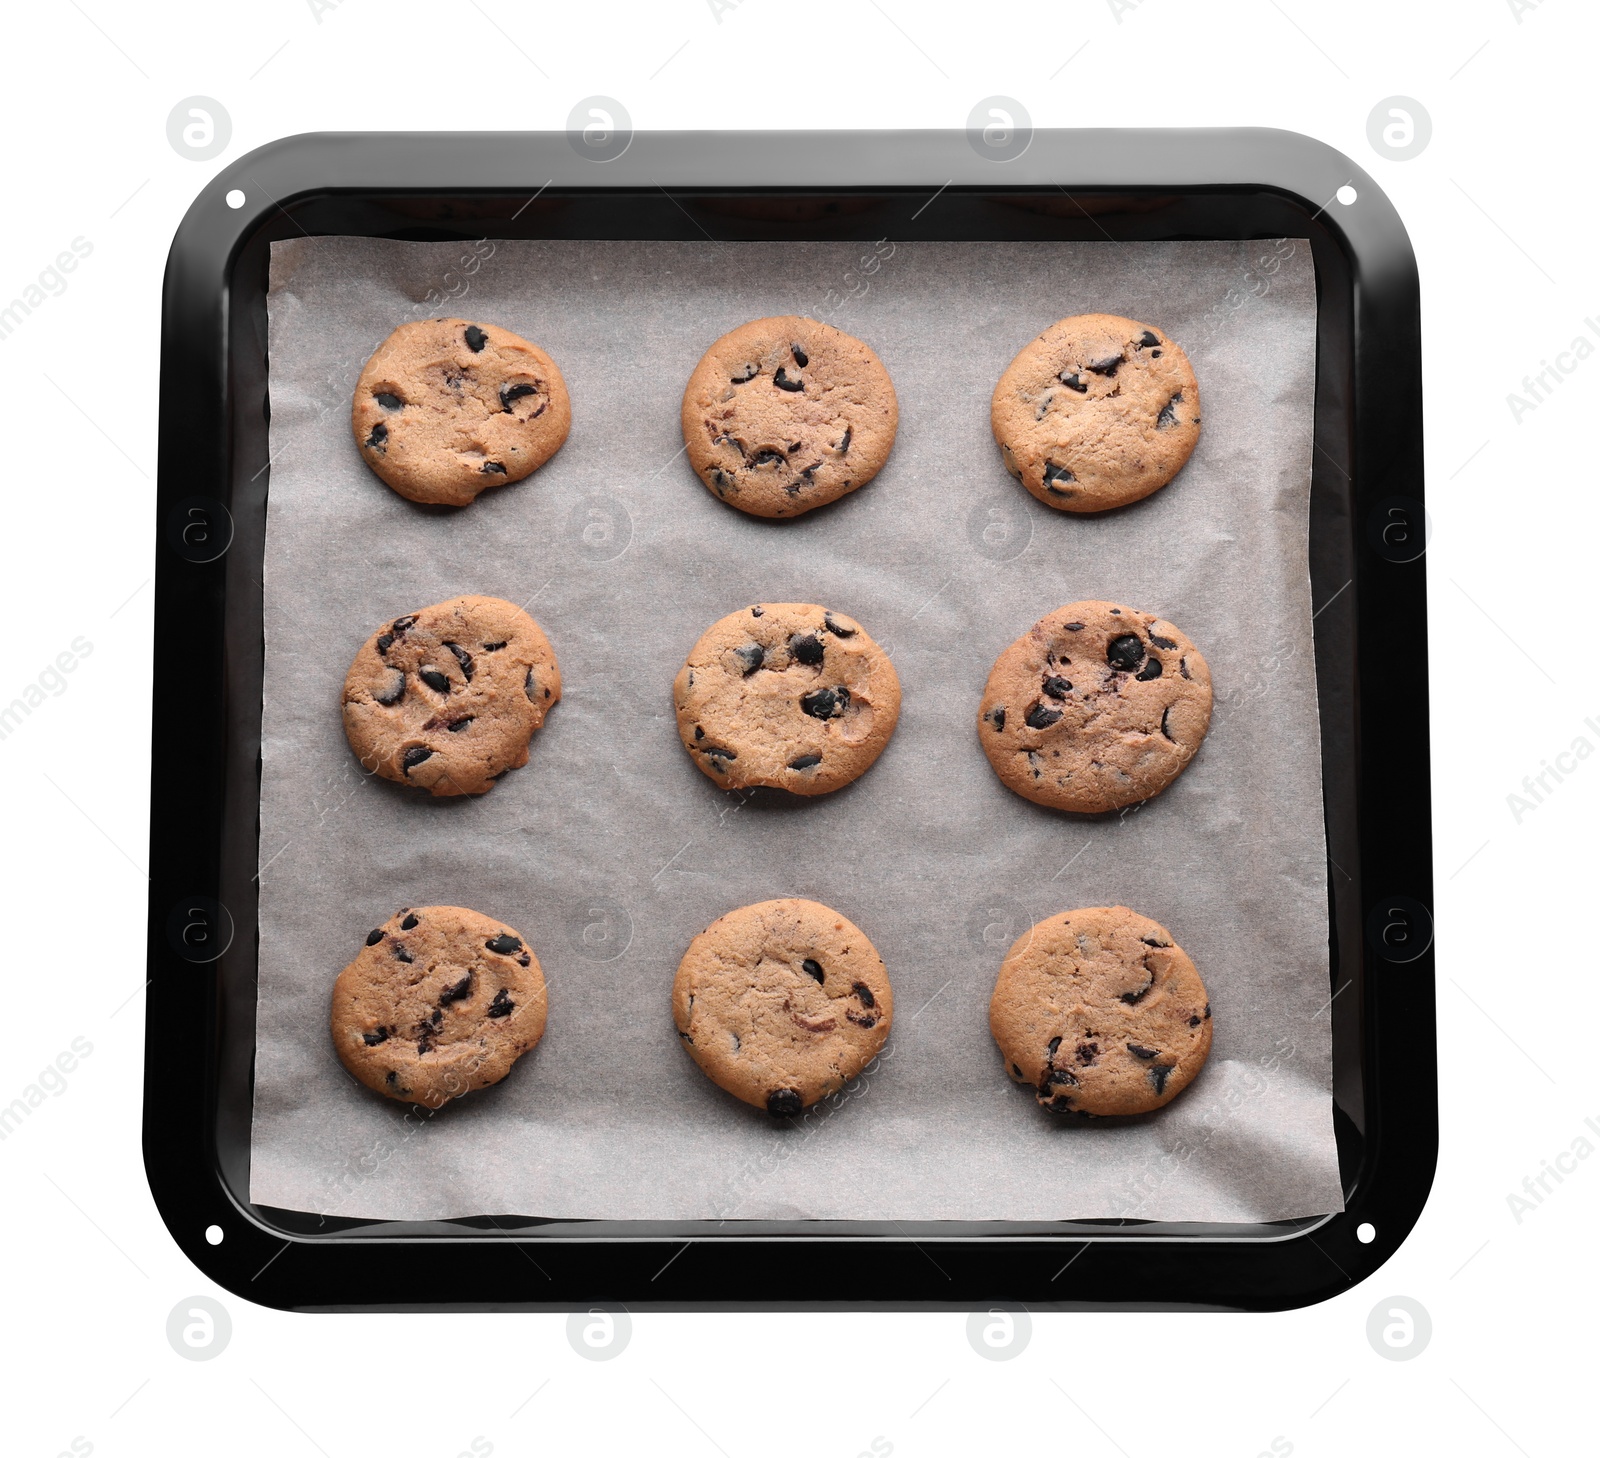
414, 756
494, 647
505, 944
1017, 1071
1074, 627
375, 441
372, 1039
401, 626
1147, 340
1161, 642
525, 960
997, 717
1168, 415
750, 657
844, 440
1166, 733
409, 922
806, 648
1139, 1052
389, 1078
434, 680
767, 458
1151, 669
1133, 997
805, 761
1208, 1009
401, 954
800, 357
1057, 687
501, 1006
1041, 717
812, 968
864, 994
1126, 652
1054, 475
388, 401
716, 751
835, 629
755, 612
784, 1102
783, 382
527, 684
375, 936
454, 994
385, 642
491, 468
699, 733
1158, 1075
721, 481
463, 658
476, 339
510, 394
1195, 1022
1054, 1077
392, 690
1050, 1050
1072, 382
1107, 366
861, 1020
746, 373
825, 703
1088, 1052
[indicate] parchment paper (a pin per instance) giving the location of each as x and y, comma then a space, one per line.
610, 850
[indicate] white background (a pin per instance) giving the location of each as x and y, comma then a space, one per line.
1500, 210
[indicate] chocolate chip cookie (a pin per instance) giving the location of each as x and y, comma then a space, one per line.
782, 1003
786, 694
440, 1001
786, 414
1098, 411
446, 408
1100, 1012
1094, 707
448, 697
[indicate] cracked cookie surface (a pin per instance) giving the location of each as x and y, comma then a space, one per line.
782, 1003
788, 695
1094, 707
1100, 1012
439, 1002
1098, 411
785, 414
447, 698
446, 408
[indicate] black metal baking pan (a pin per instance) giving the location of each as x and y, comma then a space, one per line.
1367, 534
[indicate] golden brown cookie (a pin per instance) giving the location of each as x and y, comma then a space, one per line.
1098, 411
785, 414
440, 1001
1101, 1013
1094, 707
448, 697
786, 694
446, 408
782, 1003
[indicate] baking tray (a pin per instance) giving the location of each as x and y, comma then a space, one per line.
1367, 537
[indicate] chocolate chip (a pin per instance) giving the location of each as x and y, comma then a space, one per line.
1087, 1052
1131, 998
375, 936
825, 703
812, 968
1074, 627
375, 441
835, 629
1057, 687
454, 994
476, 339
1151, 669
806, 648
1072, 382
805, 761
716, 751
1107, 366
861, 1020
864, 993
388, 401
381, 1035
390, 693
783, 382
1126, 652
997, 717
1153, 942
527, 684
463, 658
414, 756
493, 647
1054, 474
525, 960
408, 923
1155, 354
434, 680
844, 442
1166, 733
721, 481
1054, 1077
1041, 717
767, 458
1050, 1050
1146, 340
784, 1102
1139, 1052
746, 373
401, 626
755, 612
1015, 1070
750, 656
385, 642
699, 733
1158, 1075
800, 357
1168, 415
501, 1006
491, 468
1208, 1009
1161, 642
1194, 1022
505, 944
510, 394
401, 954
